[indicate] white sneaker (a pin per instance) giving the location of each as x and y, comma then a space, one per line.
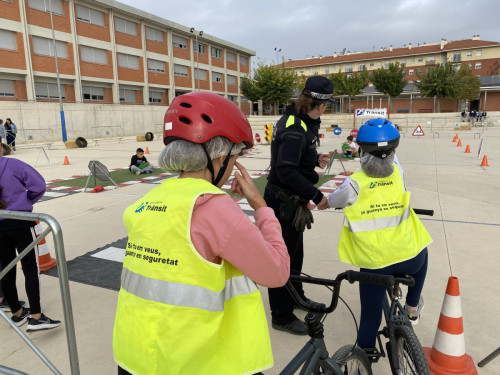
137, 172
414, 316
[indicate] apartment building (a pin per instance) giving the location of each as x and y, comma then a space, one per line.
110, 53
483, 57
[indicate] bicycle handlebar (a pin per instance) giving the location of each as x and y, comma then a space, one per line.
420, 211
370, 278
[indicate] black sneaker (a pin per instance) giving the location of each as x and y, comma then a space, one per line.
296, 327
21, 319
5, 306
42, 324
316, 305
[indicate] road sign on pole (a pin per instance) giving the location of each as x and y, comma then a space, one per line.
418, 132
337, 131
354, 133
257, 137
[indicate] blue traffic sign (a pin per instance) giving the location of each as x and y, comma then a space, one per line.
337, 131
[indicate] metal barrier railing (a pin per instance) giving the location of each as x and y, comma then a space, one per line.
54, 227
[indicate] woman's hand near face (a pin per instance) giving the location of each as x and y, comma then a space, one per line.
244, 186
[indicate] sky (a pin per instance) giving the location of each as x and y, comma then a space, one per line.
308, 28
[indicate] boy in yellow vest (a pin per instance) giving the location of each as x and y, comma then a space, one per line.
381, 233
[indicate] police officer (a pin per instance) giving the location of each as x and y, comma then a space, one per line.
291, 186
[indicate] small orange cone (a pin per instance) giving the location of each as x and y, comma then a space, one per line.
455, 138
447, 355
147, 151
484, 163
45, 261
459, 143
66, 161
467, 150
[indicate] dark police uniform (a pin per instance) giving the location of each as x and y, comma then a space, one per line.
291, 181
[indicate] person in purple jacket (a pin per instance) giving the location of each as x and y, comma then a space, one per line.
20, 187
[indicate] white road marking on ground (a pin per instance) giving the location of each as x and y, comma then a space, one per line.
54, 194
111, 253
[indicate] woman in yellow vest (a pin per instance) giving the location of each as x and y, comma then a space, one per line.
381, 233
188, 302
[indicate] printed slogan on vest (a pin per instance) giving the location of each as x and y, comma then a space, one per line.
148, 254
382, 207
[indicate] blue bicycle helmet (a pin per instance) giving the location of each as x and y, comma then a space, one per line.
378, 137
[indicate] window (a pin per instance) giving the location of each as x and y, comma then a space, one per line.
7, 88
243, 99
230, 57
94, 55
470, 66
45, 46
54, 6
412, 60
479, 53
333, 68
410, 81
181, 70
348, 68
231, 80
419, 71
128, 61
468, 54
362, 67
48, 91
478, 66
243, 60
386, 65
200, 74
420, 59
156, 66
411, 72
233, 98
200, 48
349, 76
402, 61
302, 71
216, 52
431, 58
216, 77
315, 71
127, 96
179, 42
327, 70
8, 40
404, 72
88, 15
372, 64
154, 96
154, 34
93, 93
379, 63
457, 57
125, 26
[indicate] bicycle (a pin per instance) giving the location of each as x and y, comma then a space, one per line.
313, 358
405, 352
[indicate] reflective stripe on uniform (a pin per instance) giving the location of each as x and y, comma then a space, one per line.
291, 120
378, 223
185, 295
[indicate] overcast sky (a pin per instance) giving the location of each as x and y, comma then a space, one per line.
308, 28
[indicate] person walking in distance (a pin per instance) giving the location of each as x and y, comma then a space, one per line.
21, 186
11, 132
290, 187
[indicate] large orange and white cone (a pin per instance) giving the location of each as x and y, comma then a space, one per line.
45, 261
447, 355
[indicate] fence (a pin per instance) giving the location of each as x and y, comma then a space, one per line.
54, 227
111, 132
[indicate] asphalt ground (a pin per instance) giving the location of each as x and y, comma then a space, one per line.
440, 176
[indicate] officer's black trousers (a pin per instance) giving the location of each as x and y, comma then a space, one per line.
280, 299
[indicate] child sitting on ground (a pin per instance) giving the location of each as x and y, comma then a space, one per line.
350, 148
139, 164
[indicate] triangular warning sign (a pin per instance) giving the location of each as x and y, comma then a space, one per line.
418, 131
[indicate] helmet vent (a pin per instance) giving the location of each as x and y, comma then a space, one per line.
185, 105
185, 120
206, 118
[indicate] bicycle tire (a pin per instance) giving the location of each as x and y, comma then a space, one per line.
352, 361
412, 360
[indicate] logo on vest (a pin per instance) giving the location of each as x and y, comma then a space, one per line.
375, 184
151, 206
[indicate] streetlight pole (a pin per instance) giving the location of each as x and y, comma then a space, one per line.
277, 57
200, 33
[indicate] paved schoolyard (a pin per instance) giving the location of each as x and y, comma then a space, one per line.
438, 173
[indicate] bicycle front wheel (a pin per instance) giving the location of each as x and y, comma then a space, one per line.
411, 356
352, 361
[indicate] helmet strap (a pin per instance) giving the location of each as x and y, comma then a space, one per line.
222, 169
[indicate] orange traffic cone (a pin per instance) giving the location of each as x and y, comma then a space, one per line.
459, 143
455, 138
45, 261
467, 150
147, 151
66, 161
484, 163
447, 355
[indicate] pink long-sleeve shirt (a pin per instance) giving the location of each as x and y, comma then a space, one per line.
221, 230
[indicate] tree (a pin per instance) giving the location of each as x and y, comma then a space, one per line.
468, 84
301, 83
440, 82
350, 85
271, 83
389, 81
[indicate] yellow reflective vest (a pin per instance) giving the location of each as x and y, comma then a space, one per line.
177, 312
380, 228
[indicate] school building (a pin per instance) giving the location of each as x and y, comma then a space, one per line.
483, 57
110, 53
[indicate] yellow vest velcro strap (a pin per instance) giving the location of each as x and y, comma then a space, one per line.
378, 223
185, 295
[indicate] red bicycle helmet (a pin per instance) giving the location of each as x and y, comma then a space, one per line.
200, 116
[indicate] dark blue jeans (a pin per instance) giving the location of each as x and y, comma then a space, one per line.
372, 296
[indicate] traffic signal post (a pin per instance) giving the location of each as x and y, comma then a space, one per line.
268, 132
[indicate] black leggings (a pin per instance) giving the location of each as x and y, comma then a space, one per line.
10, 241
